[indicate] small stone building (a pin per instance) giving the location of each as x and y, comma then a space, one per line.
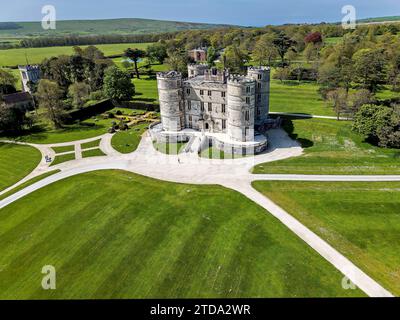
29, 73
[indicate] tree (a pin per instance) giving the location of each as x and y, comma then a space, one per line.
379, 124
235, 59
178, 61
339, 97
212, 55
264, 51
118, 85
12, 118
282, 74
49, 96
157, 53
79, 93
7, 82
314, 38
369, 68
283, 44
135, 55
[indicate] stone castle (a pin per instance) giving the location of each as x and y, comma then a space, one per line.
230, 110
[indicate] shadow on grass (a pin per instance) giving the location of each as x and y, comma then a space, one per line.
289, 128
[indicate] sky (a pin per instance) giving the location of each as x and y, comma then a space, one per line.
238, 12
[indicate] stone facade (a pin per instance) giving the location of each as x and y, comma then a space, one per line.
29, 73
230, 107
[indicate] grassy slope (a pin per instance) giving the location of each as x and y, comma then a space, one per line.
16, 161
153, 239
63, 158
128, 141
332, 148
13, 57
361, 220
106, 26
291, 96
92, 153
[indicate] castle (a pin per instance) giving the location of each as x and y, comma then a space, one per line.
29, 74
230, 110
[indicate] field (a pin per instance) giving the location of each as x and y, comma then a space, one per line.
100, 27
361, 220
14, 57
137, 237
332, 148
16, 161
128, 141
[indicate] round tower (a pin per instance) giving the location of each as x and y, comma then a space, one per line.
171, 100
195, 69
262, 77
241, 104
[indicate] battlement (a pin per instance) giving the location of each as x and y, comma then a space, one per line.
169, 75
239, 79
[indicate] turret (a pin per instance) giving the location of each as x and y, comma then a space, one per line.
262, 77
241, 104
171, 100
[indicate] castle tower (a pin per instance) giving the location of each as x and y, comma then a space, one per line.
29, 74
262, 77
241, 105
171, 100
195, 70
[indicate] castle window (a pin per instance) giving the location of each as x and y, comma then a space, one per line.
258, 111
259, 85
248, 89
190, 118
209, 93
223, 124
202, 92
209, 106
189, 105
247, 115
223, 108
248, 100
259, 97
223, 94
260, 77
188, 90
202, 106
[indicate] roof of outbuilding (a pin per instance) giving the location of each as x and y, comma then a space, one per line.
17, 97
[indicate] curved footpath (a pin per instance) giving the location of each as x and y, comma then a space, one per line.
233, 173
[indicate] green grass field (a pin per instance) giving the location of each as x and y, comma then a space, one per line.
28, 183
14, 57
16, 162
136, 237
103, 26
332, 148
292, 97
91, 144
86, 129
63, 149
128, 141
63, 158
92, 153
361, 220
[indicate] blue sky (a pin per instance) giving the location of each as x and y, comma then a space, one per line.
241, 12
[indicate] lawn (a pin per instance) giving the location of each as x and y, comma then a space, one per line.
14, 57
16, 162
92, 153
91, 144
28, 183
63, 149
360, 219
128, 141
332, 148
45, 134
136, 237
146, 90
63, 158
294, 97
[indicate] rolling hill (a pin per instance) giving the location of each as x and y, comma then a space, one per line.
99, 27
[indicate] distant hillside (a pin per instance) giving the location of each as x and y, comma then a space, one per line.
99, 27
380, 19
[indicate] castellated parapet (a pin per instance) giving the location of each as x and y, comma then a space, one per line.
230, 107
